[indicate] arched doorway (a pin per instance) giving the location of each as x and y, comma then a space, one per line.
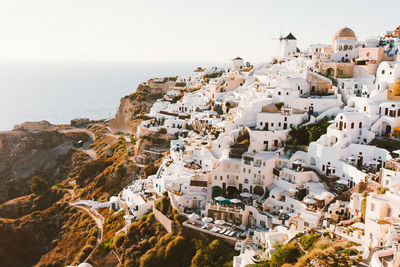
216, 191
330, 72
231, 192
258, 190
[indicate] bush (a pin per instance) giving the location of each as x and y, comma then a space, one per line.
39, 186
162, 131
104, 247
308, 241
381, 190
306, 134
118, 240
284, 254
279, 105
87, 249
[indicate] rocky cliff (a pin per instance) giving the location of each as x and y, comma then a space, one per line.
133, 107
24, 154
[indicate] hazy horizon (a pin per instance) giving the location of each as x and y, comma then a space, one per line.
175, 31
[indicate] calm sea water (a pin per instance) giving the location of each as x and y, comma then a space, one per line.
59, 92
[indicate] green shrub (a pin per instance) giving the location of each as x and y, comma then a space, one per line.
39, 186
104, 247
118, 240
308, 241
162, 131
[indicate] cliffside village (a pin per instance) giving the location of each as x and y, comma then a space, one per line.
237, 172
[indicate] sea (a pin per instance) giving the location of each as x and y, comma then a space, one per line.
61, 91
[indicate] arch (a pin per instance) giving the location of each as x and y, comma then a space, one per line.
258, 190
216, 191
330, 72
231, 192
312, 161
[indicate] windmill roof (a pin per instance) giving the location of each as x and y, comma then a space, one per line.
290, 36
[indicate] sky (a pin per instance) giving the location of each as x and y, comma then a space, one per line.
178, 30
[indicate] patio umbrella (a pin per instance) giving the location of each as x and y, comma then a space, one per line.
235, 201
193, 216
245, 194
207, 220
219, 198
219, 222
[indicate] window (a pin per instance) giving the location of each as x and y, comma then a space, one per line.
249, 171
215, 177
264, 163
372, 207
244, 169
220, 177
246, 181
340, 72
365, 108
383, 71
352, 125
360, 125
389, 212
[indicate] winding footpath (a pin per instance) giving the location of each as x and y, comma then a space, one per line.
98, 218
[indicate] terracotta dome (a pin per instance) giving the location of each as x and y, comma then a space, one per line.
345, 33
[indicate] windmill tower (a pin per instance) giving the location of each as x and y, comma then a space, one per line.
288, 45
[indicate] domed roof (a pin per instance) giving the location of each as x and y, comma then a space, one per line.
345, 33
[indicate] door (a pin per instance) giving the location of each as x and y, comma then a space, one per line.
360, 161
340, 125
285, 126
266, 126
388, 129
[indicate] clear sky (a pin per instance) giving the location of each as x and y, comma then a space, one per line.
180, 30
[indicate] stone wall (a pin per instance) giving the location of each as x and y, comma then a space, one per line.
161, 218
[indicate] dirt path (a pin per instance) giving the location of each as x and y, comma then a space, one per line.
90, 152
99, 222
78, 130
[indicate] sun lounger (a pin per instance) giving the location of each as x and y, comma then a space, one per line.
231, 234
227, 232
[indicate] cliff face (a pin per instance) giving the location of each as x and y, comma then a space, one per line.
133, 107
25, 154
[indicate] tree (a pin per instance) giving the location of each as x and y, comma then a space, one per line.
284, 254
39, 186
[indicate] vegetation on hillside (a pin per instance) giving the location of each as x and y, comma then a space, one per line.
148, 244
312, 249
